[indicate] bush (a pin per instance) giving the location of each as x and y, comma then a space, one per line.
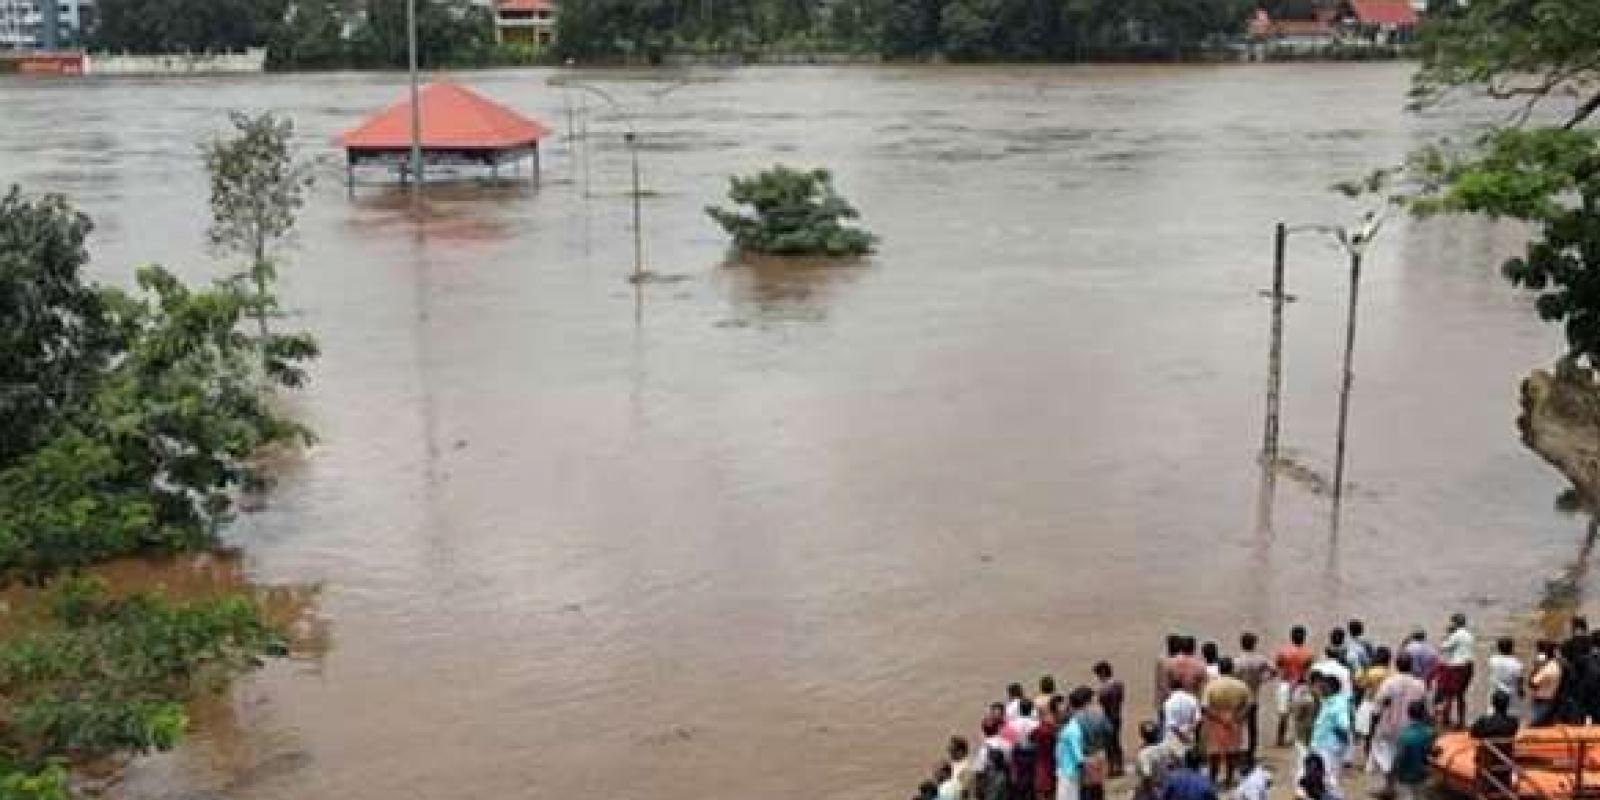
149, 407
793, 212
102, 675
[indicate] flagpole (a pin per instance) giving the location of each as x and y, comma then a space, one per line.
416, 101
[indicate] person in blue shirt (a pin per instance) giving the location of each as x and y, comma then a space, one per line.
1330, 734
1412, 753
1069, 747
1189, 782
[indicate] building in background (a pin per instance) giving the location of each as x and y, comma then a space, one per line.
530, 22
44, 24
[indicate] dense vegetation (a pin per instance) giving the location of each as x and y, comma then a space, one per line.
965, 29
310, 34
132, 418
371, 33
791, 212
1542, 59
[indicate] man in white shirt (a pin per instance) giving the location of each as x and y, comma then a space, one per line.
1014, 696
1455, 673
1256, 785
1506, 670
1332, 664
1180, 713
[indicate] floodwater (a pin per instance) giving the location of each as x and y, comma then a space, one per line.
776, 532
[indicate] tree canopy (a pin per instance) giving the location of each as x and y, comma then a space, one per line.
140, 411
1541, 59
791, 212
132, 418
304, 33
962, 29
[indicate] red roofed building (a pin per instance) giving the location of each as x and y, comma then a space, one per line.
1339, 22
1385, 13
459, 127
1389, 21
1318, 31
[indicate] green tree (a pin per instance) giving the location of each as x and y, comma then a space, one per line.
449, 33
143, 448
175, 26
1542, 167
257, 189
54, 333
312, 36
970, 29
141, 415
791, 212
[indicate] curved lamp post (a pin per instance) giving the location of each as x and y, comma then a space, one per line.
631, 139
1355, 244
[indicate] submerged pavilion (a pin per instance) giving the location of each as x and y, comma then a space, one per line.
459, 128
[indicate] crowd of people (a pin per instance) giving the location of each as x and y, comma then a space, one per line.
1353, 704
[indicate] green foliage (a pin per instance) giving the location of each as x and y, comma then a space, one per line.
257, 189
106, 675
304, 34
53, 329
792, 213
143, 453
45, 783
132, 418
1536, 168
1524, 50
177, 26
970, 29
449, 33
962, 29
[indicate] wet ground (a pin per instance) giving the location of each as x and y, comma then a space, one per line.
776, 532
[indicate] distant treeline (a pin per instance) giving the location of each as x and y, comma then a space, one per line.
324, 34
306, 34
1043, 30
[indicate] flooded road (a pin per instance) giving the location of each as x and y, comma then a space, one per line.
769, 532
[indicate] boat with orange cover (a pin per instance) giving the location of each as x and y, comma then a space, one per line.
1555, 763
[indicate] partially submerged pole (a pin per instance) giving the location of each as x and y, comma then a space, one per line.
416, 100
1269, 442
638, 217
1346, 383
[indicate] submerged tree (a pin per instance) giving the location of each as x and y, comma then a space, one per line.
791, 212
257, 189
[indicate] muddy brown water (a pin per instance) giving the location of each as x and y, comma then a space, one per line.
776, 532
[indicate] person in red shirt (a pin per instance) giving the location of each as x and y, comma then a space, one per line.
1044, 750
1292, 662
1188, 669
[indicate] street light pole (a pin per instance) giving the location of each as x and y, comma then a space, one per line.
638, 215
416, 101
1269, 443
631, 139
1348, 380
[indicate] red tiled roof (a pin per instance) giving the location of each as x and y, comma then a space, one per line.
525, 5
453, 118
1397, 13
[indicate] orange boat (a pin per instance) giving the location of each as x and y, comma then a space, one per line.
1555, 763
